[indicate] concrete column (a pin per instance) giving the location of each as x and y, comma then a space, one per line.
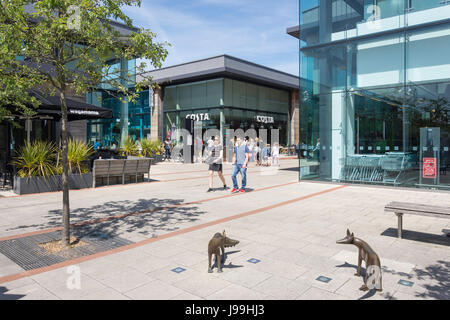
156, 118
294, 118
124, 105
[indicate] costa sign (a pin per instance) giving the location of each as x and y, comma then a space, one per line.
265, 119
198, 116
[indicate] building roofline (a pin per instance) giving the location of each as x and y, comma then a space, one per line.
123, 25
223, 66
225, 56
294, 31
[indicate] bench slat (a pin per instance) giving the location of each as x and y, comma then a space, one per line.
417, 208
143, 166
130, 166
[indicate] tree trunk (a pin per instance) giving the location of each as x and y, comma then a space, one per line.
65, 173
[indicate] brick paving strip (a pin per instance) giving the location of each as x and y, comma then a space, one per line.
165, 236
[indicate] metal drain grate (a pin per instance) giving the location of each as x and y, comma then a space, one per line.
26, 252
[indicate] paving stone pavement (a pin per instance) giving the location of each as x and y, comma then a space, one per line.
294, 241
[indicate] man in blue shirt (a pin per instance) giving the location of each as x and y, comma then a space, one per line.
97, 145
240, 160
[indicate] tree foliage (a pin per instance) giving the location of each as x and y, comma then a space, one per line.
70, 46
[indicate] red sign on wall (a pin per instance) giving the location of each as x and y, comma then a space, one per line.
429, 168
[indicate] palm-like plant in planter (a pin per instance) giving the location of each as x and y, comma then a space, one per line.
151, 148
36, 158
77, 153
130, 147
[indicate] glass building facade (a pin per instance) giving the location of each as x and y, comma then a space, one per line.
129, 119
226, 104
375, 92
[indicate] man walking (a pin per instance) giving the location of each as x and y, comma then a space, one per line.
240, 160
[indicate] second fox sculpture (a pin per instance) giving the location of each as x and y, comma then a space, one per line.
373, 265
217, 243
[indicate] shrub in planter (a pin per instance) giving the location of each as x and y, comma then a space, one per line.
151, 148
36, 159
39, 170
130, 147
77, 154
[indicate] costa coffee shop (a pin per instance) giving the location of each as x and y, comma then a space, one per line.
224, 93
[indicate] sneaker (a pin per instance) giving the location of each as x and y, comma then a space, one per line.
225, 187
234, 190
209, 190
242, 191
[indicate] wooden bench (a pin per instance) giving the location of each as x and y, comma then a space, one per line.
121, 169
401, 208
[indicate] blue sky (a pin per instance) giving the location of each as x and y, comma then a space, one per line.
253, 30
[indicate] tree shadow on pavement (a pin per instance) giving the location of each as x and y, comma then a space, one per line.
438, 276
369, 293
144, 216
6, 296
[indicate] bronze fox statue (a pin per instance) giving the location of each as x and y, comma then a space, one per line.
217, 243
373, 265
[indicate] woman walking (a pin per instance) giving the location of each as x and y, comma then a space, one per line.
216, 155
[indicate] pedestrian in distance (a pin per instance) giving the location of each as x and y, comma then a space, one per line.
276, 154
167, 149
239, 163
215, 155
258, 152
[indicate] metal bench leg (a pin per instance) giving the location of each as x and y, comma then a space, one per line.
400, 224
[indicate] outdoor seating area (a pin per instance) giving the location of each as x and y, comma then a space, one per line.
120, 171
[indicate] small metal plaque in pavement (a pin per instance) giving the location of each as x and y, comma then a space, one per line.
323, 279
406, 283
178, 270
253, 260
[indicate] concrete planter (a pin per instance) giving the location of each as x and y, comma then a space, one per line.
50, 184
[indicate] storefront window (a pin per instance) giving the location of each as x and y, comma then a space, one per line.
376, 110
230, 104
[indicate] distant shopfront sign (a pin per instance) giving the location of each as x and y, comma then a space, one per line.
265, 119
429, 168
199, 116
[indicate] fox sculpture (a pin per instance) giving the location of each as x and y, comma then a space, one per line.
373, 266
216, 244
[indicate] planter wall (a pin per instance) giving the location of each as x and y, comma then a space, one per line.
157, 158
51, 184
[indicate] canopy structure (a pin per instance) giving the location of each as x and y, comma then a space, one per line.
77, 109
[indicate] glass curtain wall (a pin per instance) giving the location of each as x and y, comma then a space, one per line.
129, 119
375, 92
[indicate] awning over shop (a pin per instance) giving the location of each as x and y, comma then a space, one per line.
77, 109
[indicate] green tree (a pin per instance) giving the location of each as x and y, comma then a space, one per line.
70, 44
